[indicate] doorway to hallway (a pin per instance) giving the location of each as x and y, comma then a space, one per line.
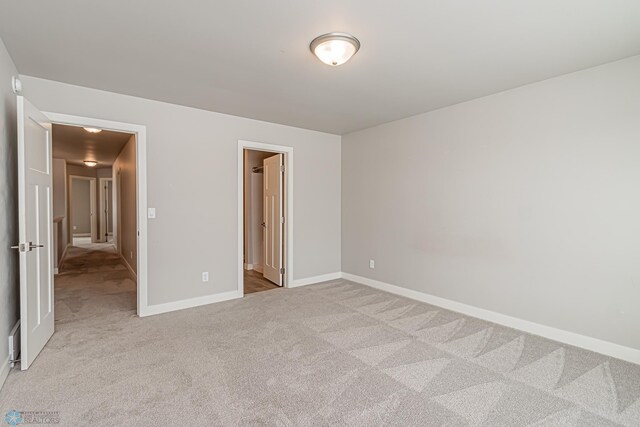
46, 235
94, 276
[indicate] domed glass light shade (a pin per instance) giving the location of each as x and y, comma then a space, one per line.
335, 48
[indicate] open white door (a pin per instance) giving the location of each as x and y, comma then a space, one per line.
273, 218
35, 212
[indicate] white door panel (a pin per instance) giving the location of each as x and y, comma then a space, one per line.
35, 230
272, 193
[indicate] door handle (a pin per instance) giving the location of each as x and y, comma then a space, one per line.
264, 225
22, 247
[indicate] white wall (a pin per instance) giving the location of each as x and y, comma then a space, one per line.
9, 203
192, 182
526, 202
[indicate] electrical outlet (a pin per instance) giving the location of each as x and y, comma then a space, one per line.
75, 227
205, 276
372, 264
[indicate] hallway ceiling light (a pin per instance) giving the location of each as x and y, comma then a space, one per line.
334, 48
93, 130
90, 163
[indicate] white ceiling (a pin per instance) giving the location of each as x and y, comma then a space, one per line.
74, 144
251, 57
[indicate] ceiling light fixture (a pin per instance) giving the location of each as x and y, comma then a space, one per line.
334, 48
90, 163
93, 130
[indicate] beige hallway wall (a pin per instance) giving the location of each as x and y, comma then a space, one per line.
124, 180
61, 229
80, 207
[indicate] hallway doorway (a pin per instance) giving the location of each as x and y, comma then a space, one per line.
94, 174
44, 218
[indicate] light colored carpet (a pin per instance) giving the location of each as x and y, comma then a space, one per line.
336, 353
93, 282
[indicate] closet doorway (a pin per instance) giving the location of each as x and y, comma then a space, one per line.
265, 237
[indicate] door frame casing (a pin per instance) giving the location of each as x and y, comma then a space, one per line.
104, 229
287, 261
92, 201
140, 131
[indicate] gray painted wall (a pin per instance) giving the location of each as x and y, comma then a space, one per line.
9, 203
192, 182
525, 202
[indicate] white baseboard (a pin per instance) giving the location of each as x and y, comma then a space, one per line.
248, 266
56, 271
226, 296
189, 303
599, 346
4, 371
315, 279
132, 272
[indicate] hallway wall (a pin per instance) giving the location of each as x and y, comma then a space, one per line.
81, 207
61, 228
124, 179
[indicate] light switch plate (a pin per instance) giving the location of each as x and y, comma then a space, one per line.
151, 213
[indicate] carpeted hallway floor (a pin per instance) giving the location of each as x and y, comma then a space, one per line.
93, 282
336, 353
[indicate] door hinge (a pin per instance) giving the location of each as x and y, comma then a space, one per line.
282, 270
282, 220
281, 168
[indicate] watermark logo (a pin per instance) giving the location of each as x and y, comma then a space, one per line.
13, 418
